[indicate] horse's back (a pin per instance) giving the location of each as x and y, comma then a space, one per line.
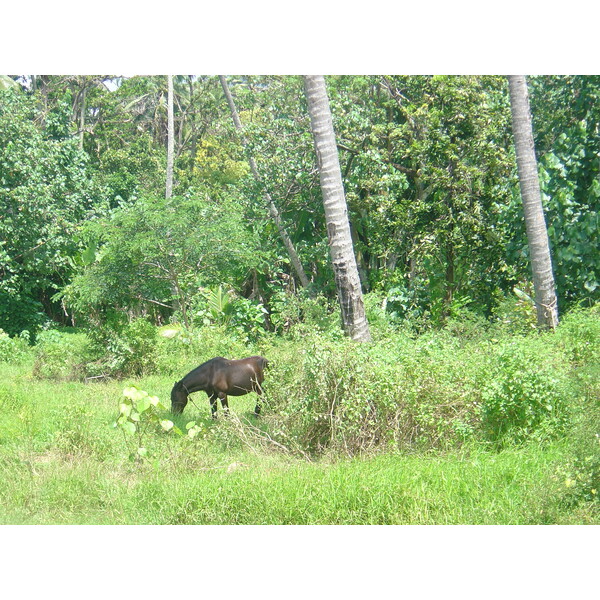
227, 375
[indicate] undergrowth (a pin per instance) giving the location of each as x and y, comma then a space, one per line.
439, 398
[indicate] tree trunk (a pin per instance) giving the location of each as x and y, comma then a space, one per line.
82, 118
170, 138
295, 260
537, 234
341, 249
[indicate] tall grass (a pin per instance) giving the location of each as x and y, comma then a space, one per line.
475, 488
407, 430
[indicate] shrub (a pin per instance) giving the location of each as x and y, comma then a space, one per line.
525, 392
579, 335
13, 349
123, 349
61, 355
337, 395
516, 314
297, 315
438, 390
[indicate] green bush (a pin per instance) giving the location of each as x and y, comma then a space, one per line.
337, 395
120, 348
297, 315
19, 313
437, 390
14, 349
525, 393
579, 334
61, 355
516, 314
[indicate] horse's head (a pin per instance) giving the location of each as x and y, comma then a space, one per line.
179, 398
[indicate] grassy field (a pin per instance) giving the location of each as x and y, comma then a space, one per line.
63, 462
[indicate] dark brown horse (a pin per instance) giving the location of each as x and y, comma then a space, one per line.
219, 378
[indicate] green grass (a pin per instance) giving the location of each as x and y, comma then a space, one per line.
480, 488
63, 462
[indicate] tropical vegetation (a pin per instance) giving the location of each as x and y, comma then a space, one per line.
117, 277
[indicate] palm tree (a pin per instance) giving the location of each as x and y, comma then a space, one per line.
537, 234
341, 249
170, 137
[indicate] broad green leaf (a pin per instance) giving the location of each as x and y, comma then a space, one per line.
142, 451
190, 424
167, 425
125, 409
134, 393
143, 404
129, 427
88, 256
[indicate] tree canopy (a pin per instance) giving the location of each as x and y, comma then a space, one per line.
427, 164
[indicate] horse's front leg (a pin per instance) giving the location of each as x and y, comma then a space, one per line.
224, 402
213, 405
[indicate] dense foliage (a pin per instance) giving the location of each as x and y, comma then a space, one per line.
458, 411
46, 191
428, 167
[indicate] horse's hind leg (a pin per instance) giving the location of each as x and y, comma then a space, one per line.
258, 406
213, 405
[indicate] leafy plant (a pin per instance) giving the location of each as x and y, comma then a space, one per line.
123, 348
61, 355
13, 349
227, 309
521, 396
218, 306
138, 414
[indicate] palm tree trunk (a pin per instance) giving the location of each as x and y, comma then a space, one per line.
341, 249
537, 233
294, 258
82, 118
170, 137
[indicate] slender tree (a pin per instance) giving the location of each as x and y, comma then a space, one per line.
82, 116
170, 137
537, 233
341, 249
273, 211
